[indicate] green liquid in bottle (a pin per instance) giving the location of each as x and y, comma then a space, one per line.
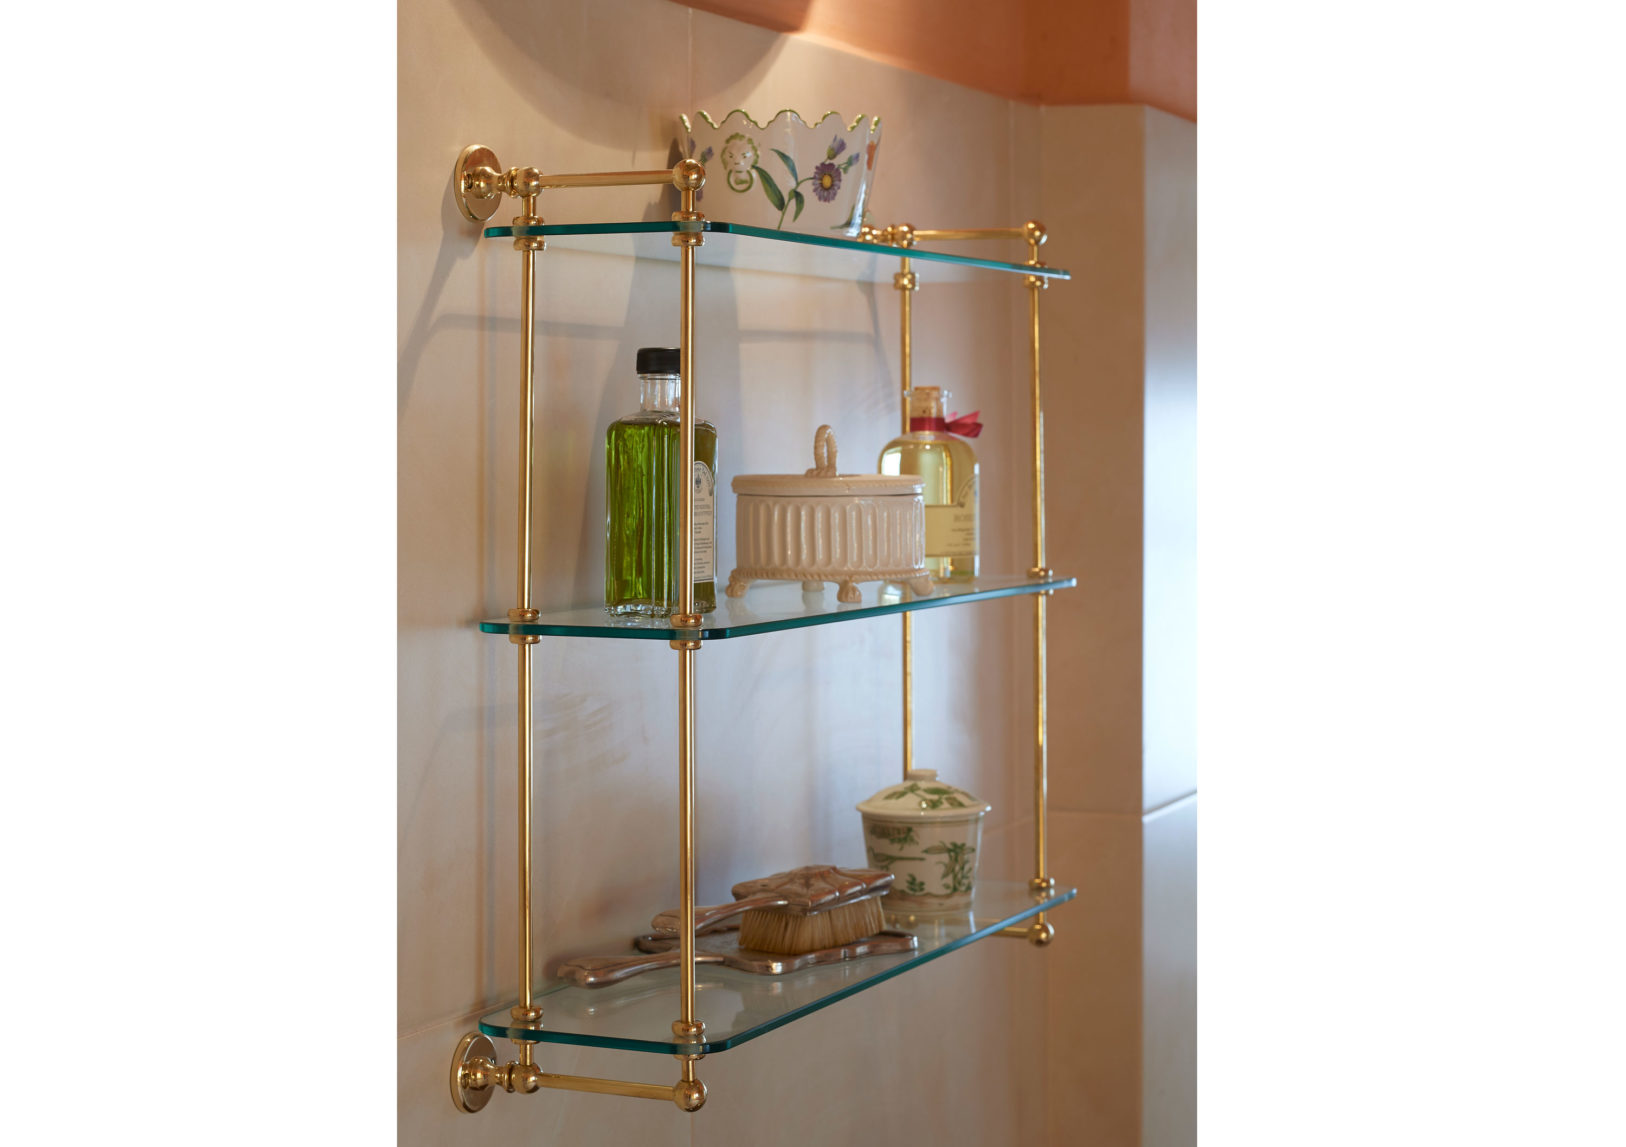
643, 456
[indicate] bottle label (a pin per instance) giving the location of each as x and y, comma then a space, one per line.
705, 487
951, 530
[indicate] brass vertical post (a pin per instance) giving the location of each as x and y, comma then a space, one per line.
478, 184
1042, 883
688, 177
526, 1011
903, 235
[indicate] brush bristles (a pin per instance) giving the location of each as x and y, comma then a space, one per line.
791, 934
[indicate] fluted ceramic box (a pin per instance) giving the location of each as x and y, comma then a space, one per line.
825, 526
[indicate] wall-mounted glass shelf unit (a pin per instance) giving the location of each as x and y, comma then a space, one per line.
771, 606
636, 1014
742, 247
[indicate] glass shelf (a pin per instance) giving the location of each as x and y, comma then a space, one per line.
637, 1014
742, 247
771, 606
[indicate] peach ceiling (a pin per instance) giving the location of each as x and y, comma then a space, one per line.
1038, 51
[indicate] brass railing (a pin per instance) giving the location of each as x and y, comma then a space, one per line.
479, 184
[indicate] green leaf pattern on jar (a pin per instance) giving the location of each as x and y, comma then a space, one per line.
931, 796
885, 860
894, 833
956, 866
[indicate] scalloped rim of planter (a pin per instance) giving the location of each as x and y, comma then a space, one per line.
874, 121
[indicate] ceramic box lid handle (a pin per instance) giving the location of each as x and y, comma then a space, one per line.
824, 454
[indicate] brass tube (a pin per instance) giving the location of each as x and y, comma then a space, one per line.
606, 1086
686, 610
908, 694
1040, 747
928, 235
527, 760
686, 430
905, 281
526, 773
1035, 235
1035, 285
686, 828
608, 179
527, 445
908, 349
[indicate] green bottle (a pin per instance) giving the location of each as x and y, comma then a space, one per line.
643, 457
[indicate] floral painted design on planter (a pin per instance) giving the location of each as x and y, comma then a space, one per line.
926, 833
785, 169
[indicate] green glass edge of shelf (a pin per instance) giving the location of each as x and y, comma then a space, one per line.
720, 227
796, 612
659, 999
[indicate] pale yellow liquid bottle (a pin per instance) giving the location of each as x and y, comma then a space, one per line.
948, 466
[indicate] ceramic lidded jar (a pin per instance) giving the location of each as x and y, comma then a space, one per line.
927, 834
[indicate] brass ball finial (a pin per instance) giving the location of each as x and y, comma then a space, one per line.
1033, 231
524, 1078
689, 175
525, 181
689, 1094
1041, 934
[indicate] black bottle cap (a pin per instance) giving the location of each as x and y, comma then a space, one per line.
658, 360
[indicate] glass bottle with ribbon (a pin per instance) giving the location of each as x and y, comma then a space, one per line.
935, 449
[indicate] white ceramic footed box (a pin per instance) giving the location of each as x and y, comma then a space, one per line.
824, 526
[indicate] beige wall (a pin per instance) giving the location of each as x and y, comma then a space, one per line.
793, 728
1120, 183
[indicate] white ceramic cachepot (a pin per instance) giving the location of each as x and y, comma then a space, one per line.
825, 526
787, 174
927, 834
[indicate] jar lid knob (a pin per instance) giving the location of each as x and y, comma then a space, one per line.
824, 454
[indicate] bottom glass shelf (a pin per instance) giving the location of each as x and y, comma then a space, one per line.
637, 1014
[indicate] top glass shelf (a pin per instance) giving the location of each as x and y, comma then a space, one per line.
742, 247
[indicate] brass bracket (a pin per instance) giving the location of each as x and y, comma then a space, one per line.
476, 182
476, 1075
479, 183
1039, 933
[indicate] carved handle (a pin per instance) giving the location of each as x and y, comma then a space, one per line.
711, 919
824, 454
597, 971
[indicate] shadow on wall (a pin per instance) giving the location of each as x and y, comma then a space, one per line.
523, 39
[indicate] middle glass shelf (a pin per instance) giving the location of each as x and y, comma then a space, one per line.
770, 606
